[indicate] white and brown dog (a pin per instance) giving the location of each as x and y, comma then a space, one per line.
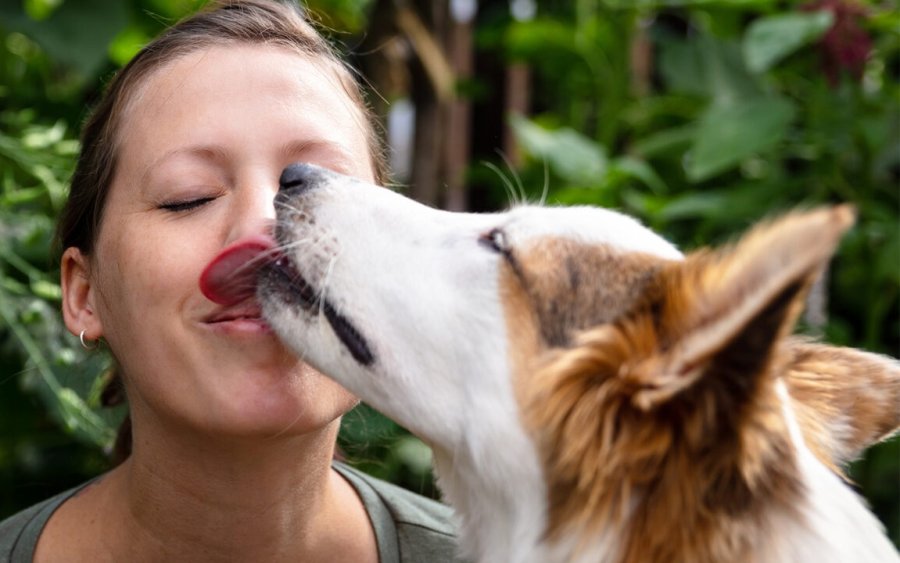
590, 394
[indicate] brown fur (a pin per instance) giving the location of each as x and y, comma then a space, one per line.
650, 387
565, 297
844, 399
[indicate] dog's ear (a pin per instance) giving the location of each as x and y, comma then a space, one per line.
845, 400
725, 311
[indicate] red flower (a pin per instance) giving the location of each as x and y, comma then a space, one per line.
846, 46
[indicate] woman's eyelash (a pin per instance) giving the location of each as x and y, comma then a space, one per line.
186, 205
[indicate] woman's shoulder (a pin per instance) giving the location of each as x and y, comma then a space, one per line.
425, 529
19, 533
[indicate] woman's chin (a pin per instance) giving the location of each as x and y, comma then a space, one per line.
295, 410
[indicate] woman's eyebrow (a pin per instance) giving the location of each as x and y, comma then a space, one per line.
210, 153
337, 153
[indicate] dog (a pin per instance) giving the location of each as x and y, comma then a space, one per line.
591, 394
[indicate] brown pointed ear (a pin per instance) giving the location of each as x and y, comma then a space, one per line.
725, 310
78, 295
845, 400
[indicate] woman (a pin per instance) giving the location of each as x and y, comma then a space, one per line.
232, 436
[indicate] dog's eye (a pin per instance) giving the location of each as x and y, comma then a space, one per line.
186, 205
496, 241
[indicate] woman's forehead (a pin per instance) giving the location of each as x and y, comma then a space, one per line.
241, 94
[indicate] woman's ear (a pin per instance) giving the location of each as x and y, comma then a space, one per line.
78, 295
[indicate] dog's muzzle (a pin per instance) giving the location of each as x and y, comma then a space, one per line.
282, 277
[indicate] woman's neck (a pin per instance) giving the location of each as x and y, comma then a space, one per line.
240, 499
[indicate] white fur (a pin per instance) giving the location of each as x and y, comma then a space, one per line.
835, 527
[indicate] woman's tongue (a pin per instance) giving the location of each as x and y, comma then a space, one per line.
231, 276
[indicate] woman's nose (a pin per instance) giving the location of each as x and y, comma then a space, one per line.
253, 211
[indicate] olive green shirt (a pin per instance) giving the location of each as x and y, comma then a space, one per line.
408, 528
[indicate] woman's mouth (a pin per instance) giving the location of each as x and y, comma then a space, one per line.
242, 319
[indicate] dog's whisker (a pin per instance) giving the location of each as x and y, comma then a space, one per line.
507, 184
545, 191
523, 194
285, 248
255, 262
280, 205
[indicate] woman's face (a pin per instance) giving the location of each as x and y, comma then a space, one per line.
202, 147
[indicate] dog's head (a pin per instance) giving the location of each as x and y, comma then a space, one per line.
427, 314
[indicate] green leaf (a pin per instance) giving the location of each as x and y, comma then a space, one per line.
77, 33
570, 154
707, 66
78, 417
127, 44
770, 39
413, 453
40, 9
46, 290
64, 403
538, 37
673, 141
729, 133
694, 205
36, 138
366, 425
635, 168
669, 4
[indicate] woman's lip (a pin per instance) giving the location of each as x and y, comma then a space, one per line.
241, 326
244, 318
249, 311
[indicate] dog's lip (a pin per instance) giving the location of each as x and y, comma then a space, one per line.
230, 277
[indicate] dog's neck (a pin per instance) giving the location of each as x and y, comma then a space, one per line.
500, 497
495, 484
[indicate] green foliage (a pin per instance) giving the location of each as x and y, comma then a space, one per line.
770, 39
75, 34
36, 352
380, 447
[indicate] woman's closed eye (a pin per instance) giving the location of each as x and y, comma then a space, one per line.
180, 206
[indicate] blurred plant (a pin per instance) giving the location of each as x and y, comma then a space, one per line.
35, 349
35, 163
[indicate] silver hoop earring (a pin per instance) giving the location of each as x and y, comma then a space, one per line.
84, 344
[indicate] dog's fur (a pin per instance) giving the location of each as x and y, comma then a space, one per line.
589, 393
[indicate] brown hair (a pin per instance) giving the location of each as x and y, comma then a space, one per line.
270, 22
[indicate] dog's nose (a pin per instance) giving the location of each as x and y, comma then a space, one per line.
300, 177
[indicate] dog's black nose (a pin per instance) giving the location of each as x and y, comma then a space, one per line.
300, 177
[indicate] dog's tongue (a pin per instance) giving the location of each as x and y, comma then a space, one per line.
231, 276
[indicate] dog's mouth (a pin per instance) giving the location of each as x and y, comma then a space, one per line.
293, 290
281, 277
235, 274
